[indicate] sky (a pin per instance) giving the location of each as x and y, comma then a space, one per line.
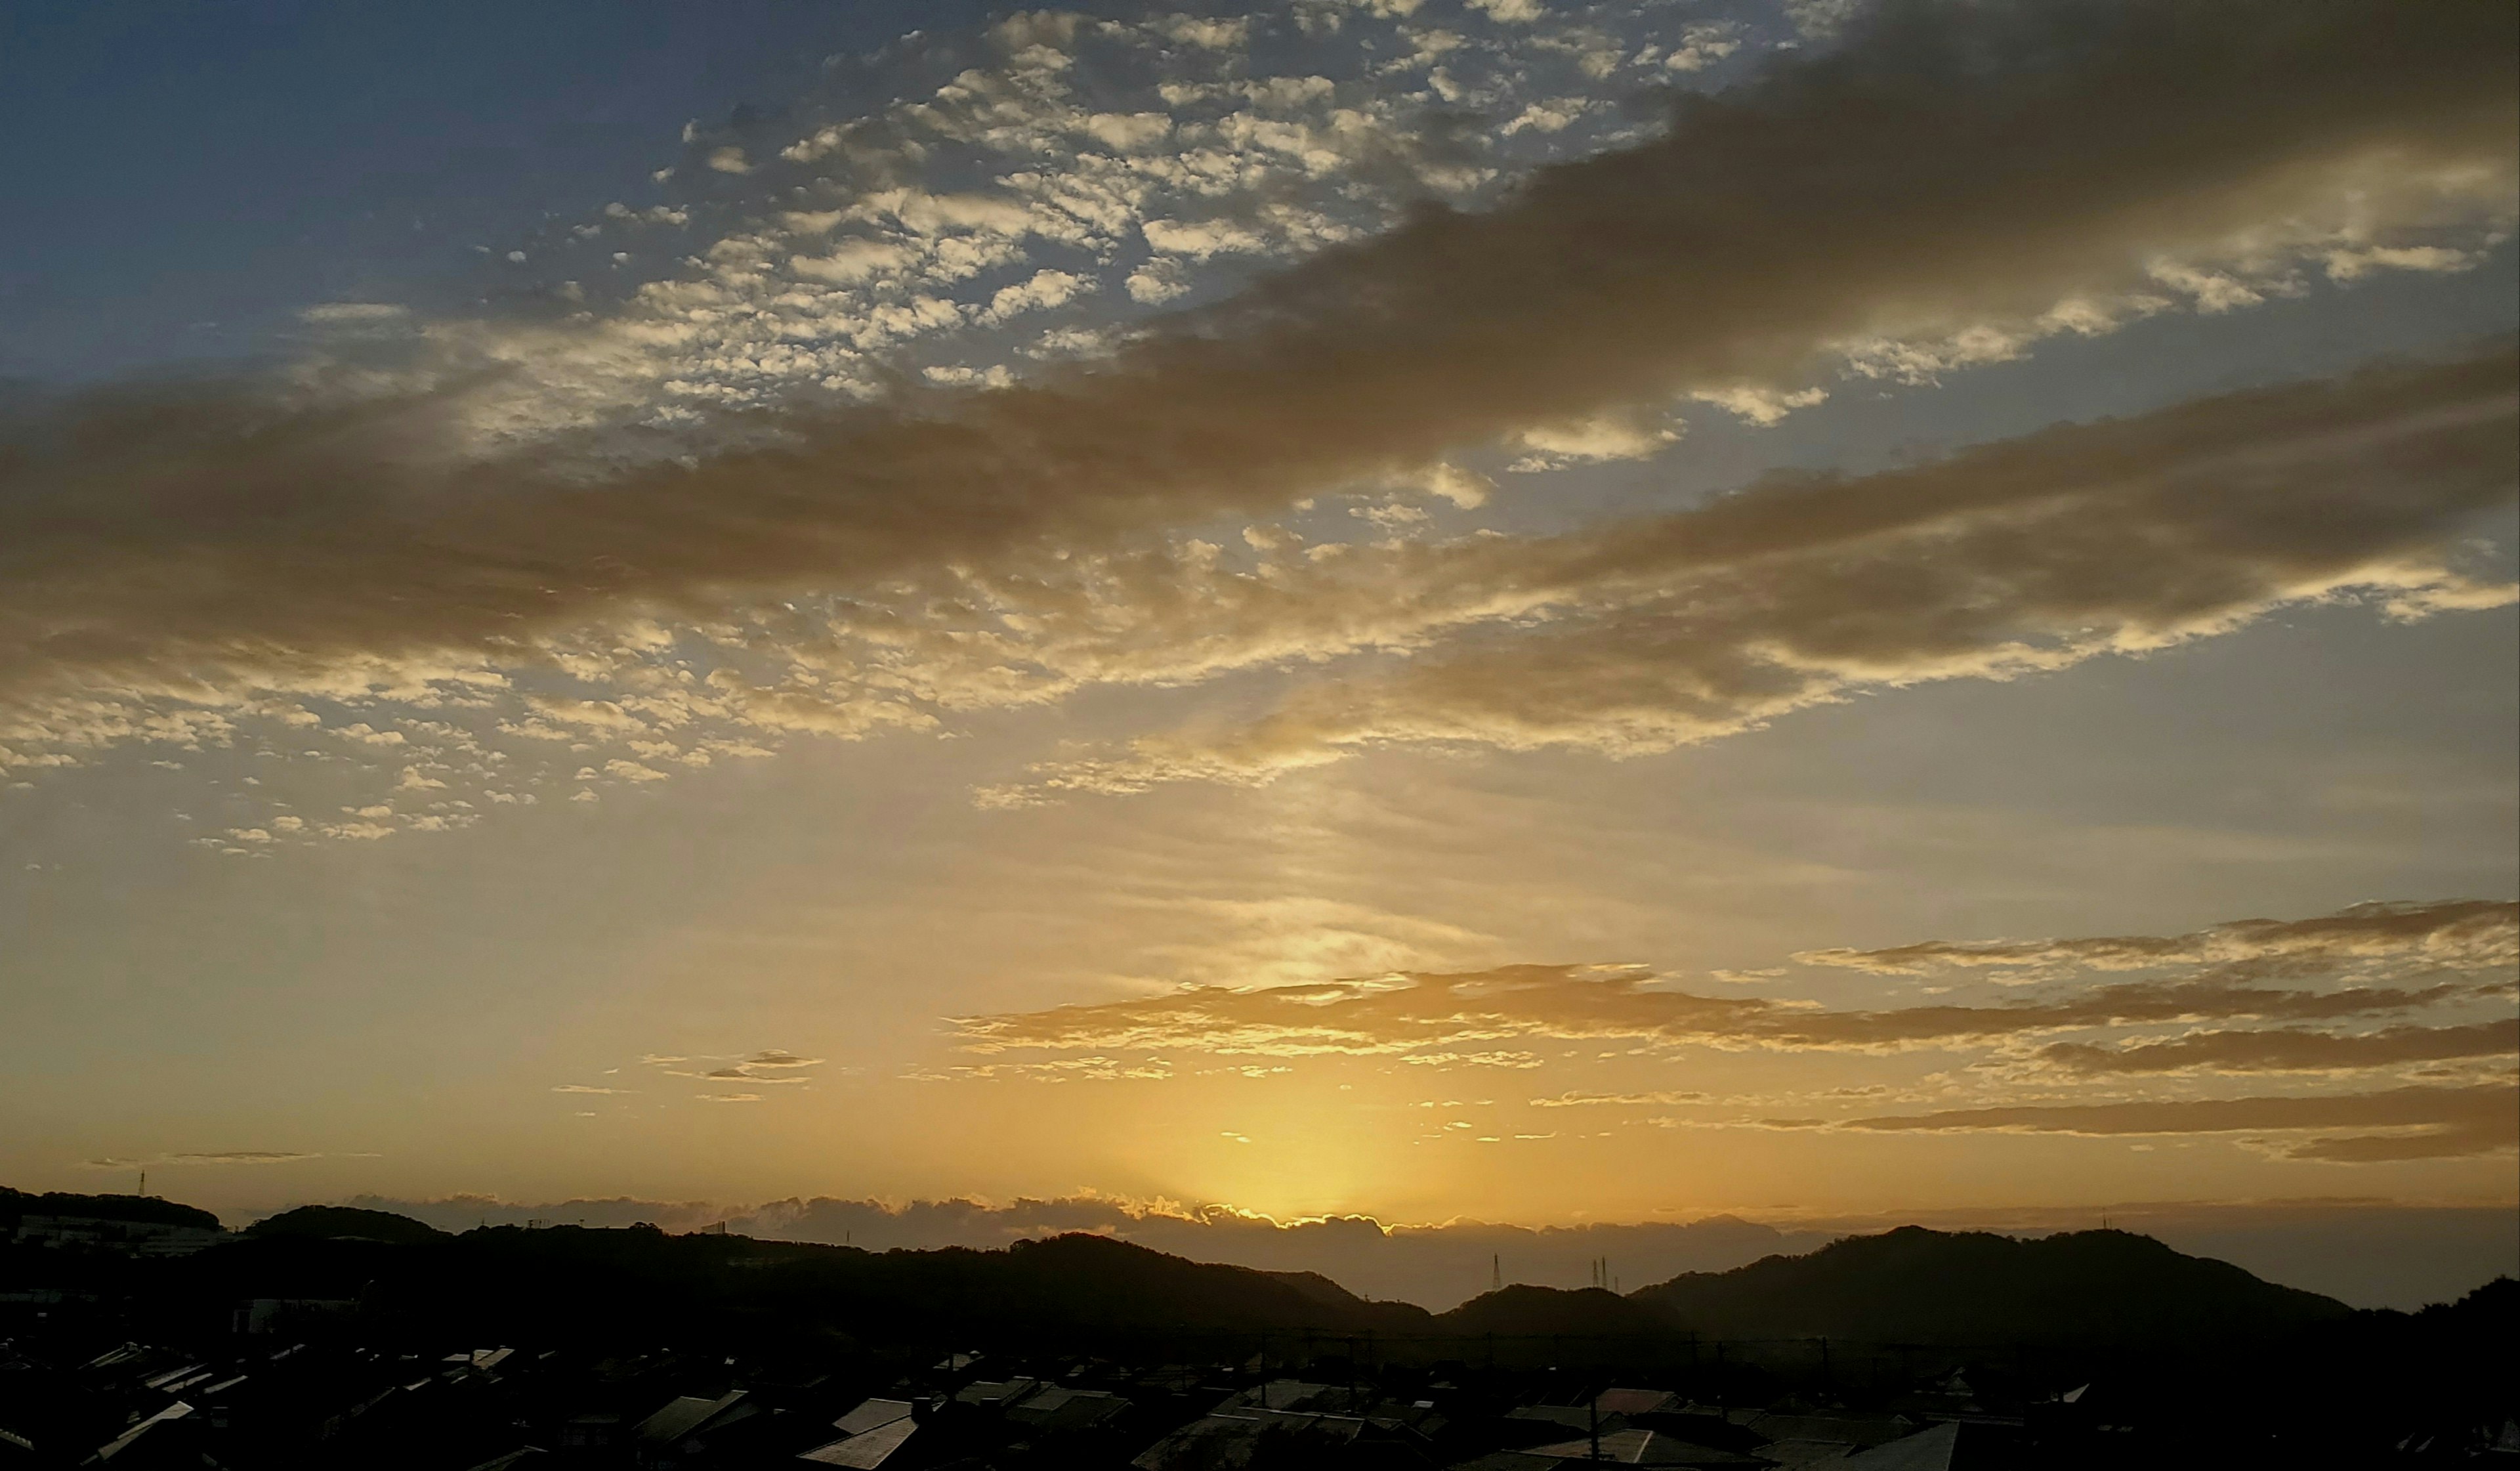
1551, 614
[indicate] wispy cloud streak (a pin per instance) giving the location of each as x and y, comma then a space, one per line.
2030, 555
1404, 1013
2427, 1122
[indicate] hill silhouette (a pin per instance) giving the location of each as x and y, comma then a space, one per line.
15, 1205
564, 1283
2095, 1289
346, 1223
2206, 1359
1915, 1285
1523, 1311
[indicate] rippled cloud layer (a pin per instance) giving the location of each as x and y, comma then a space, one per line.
850, 470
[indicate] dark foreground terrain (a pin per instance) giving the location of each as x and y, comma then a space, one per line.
135, 1333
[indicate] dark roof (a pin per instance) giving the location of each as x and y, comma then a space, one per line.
685, 1415
866, 1450
1801, 1451
1068, 1409
1861, 1429
1646, 1448
1570, 1416
871, 1413
997, 1394
1228, 1438
1926, 1450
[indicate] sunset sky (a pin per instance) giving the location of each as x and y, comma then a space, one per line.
1527, 610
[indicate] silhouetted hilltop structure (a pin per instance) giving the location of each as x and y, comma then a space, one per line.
1520, 1311
1915, 1285
346, 1223
113, 1225
142, 1209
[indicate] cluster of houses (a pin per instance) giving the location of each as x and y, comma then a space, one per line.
264, 1400
278, 1384
136, 1238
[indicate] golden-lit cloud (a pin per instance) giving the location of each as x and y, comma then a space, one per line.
1434, 1015
2465, 934
2426, 1123
2084, 1048
210, 1157
2291, 1050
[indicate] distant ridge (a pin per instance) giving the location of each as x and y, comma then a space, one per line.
346, 1223
1975, 1288
2179, 1360
149, 1209
1910, 1285
1523, 1311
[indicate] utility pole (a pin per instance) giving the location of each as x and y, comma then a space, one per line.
1594, 1416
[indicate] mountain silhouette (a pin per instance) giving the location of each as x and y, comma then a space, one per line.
346, 1223
144, 1210
1915, 1285
2207, 1361
1912, 1285
1522, 1311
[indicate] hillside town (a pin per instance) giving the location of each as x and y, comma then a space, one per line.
139, 1333
285, 1393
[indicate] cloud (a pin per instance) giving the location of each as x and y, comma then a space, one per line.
1407, 1013
2117, 537
1764, 407
2477, 934
354, 313
2427, 1122
1950, 185
774, 1066
2289, 1050
215, 1157
1578, 1099
1430, 1015
1602, 437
